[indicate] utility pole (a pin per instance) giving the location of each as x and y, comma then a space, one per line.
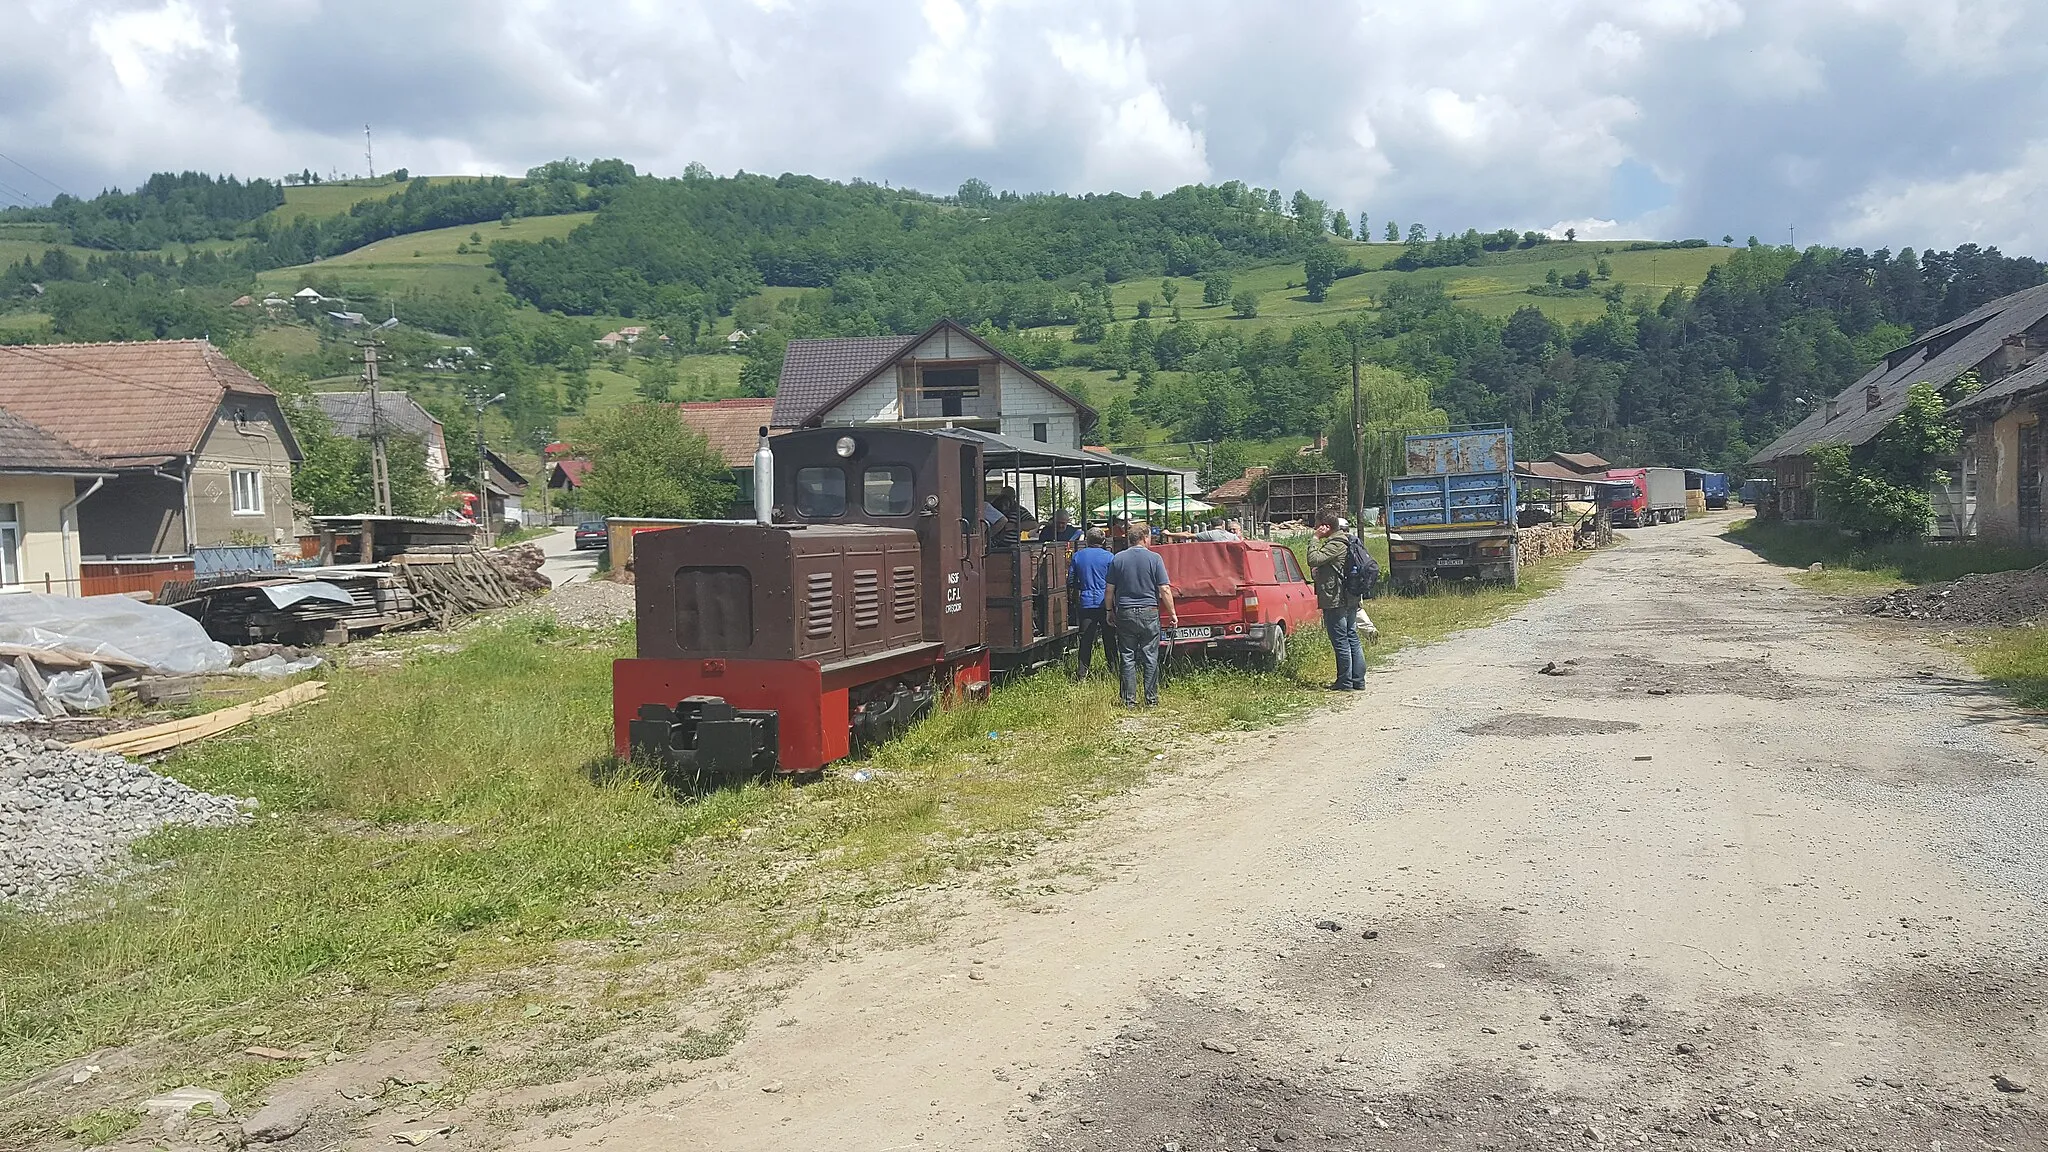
369, 161
380, 463
1357, 438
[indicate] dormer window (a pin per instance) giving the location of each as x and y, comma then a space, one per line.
1834, 410
1871, 398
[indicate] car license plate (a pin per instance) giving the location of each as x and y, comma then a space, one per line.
1451, 561
1202, 632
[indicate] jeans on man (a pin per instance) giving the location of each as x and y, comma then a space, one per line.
1137, 641
1095, 622
1341, 622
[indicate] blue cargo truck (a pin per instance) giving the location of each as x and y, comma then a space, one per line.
1713, 486
1452, 517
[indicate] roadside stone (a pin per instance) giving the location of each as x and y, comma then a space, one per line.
1329, 926
2005, 1084
1686, 1050
280, 1119
1223, 1046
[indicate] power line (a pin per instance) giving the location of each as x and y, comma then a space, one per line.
18, 194
36, 174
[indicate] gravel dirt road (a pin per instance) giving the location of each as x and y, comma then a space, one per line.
1794, 901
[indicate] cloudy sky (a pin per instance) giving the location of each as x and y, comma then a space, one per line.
1873, 122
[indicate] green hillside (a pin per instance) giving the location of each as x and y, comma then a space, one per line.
435, 261
337, 198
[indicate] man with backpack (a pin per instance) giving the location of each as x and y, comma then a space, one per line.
1344, 575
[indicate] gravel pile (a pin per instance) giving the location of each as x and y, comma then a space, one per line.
590, 603
66, 815
1992, 598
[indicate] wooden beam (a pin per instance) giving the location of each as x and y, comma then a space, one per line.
158, 737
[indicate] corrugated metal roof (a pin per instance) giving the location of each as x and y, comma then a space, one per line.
817, 372
132, 403
1936, 358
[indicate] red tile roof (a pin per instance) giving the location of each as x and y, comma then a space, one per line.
131, 403
1237, 489
817, 372
573, 472
26, 447
732, 427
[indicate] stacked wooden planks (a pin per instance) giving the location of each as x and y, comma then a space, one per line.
162, 737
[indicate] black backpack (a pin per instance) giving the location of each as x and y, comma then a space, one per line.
1361, 571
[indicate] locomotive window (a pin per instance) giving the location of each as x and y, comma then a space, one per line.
820, 492
885, 490
714, 609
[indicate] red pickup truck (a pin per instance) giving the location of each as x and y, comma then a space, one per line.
1243, 597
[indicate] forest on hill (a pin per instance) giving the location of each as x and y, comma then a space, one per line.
1700, 374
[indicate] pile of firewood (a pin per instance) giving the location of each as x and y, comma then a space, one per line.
520, 565
1546, 541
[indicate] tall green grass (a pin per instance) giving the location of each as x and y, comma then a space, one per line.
1849, 565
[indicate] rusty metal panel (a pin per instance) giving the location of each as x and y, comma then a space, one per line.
1451, 453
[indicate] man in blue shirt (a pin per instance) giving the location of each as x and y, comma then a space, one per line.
1139, 595
1088, 575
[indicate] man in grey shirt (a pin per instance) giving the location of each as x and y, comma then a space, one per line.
1139, 594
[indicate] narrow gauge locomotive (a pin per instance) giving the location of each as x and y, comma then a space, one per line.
864, 592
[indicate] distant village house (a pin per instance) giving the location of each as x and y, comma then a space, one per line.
398, 413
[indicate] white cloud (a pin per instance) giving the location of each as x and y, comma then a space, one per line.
1856, 119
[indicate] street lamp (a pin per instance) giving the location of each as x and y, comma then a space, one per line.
483, 483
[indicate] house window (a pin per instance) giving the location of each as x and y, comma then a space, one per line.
952, 388
1038, 431
248, 491
10, 544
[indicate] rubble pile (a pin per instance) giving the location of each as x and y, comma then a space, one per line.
520, 565
67, 815
590, 603
1996, 599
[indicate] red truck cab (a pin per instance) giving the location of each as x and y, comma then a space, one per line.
1242, 597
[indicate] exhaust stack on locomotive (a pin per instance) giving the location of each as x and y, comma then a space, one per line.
764, 481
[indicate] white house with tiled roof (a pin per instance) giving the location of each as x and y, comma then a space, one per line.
945, 376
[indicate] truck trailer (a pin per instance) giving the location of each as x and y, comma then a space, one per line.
1452, 517
1655, 496
1712, 486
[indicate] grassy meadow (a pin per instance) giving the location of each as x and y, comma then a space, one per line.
422, 261
458, 822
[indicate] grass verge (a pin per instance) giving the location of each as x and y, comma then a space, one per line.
449, 837
1849, 567
2015, 660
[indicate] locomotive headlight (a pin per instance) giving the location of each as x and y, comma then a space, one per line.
932, 501
844, 446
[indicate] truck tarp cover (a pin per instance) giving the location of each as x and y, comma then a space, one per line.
71, 632
1218, 568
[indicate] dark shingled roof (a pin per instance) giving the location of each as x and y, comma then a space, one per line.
26, 447
1936, 358
817, 372
350, 414
2032, 378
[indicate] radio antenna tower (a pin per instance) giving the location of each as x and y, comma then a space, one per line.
368, 160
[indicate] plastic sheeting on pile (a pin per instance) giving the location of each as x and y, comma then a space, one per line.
77, 632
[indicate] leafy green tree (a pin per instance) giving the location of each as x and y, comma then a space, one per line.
657, 380
1396, 405
1340, 224
1245, 304
1603, 269
1319, 270
1417, 234
1168, 290
1119, 423
975, 193
1144, 309
644, 461
1216, 288
1579, 279
1879, 490
1227, 461
1393, 232
1571, 235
